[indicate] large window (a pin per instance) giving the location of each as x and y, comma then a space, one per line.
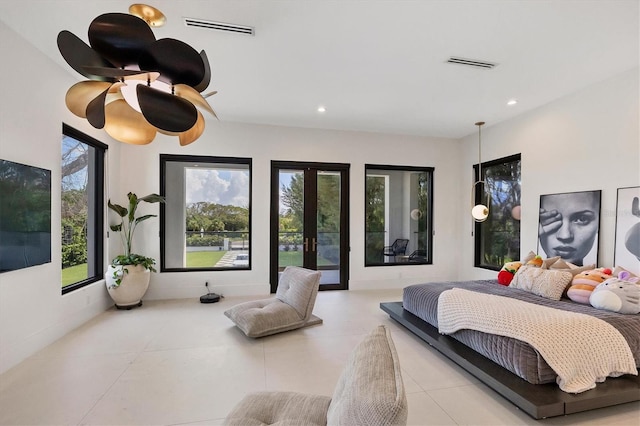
497, 239
398, 215
82, 204
206, 219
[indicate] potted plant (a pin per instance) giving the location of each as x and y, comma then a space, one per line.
127, 277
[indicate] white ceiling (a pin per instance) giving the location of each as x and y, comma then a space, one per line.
377, 66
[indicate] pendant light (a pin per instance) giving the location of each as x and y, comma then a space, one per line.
479, 211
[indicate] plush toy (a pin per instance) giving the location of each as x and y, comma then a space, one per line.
617, 295
626, 276
583, 284
507, 272
536, 261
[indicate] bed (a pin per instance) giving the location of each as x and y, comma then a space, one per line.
512, 367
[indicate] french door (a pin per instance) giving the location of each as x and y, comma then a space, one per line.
309, 220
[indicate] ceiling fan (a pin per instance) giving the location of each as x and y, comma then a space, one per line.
138, 85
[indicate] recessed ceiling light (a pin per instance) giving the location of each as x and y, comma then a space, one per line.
321, 109
512, 102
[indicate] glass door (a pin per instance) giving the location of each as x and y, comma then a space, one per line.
308, 221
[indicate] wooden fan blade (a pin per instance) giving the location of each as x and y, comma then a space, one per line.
166, 111
95, 110
80, 94
207, 73
194, 97
177, 62
193, 133
120, 38
127, 125
78, 55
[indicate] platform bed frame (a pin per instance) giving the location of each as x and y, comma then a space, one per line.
539, 401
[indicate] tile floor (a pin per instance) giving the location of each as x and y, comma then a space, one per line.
180, 362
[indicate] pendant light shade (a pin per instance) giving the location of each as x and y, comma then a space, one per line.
479, 212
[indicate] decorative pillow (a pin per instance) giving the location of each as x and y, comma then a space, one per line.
583, 284
617, 295
570, 267
543, 282
548, 263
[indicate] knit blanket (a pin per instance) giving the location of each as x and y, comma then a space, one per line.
581, 349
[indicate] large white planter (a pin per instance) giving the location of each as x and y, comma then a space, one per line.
134, 285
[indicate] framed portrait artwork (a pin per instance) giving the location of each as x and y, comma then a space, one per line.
627, 246
568, 226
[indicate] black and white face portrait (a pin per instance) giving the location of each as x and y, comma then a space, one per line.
627, 246
568, 226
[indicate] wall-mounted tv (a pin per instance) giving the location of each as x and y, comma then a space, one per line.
25, 216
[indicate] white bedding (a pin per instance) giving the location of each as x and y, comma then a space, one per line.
580, 348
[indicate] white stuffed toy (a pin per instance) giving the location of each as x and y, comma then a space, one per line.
617, 295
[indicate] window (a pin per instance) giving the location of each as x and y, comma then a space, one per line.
206, 218
398, 215
82, 204
497, 239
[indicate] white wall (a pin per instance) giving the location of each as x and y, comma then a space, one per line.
33, 313
589, 140
140, 174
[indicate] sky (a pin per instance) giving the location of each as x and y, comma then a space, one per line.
220, 186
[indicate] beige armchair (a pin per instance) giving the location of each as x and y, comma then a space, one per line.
370, 391
292, 307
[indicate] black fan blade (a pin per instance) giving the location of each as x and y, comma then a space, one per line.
95, 110
207, 73
176, 61
78, 54
166, 111
120, 37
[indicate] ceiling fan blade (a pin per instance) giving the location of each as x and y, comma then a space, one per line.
193, 133
127, 125
95, 110
78, 55
166, 111
118, 73
81, 94
207, 73
194, 97
120, 38
177, 62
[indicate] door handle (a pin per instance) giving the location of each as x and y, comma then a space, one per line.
314, 244
306, 244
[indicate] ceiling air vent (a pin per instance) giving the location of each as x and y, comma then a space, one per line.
219, 26
471, 62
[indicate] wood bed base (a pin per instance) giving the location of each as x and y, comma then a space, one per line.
539, 401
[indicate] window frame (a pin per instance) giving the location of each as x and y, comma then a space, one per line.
480, 228
429, 212
95, 203
201, 159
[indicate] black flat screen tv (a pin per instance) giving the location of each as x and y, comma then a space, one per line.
25, 216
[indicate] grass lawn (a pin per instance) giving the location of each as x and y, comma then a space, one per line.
294, 258
203, 259
74, 274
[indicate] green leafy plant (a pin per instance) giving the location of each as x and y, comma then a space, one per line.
126, 228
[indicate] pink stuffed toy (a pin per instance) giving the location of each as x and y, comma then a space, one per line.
584, 283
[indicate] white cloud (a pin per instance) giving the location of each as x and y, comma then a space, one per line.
216, 186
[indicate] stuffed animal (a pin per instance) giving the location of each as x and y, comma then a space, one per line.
584, 283
507, 272
617, 295
536, 261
